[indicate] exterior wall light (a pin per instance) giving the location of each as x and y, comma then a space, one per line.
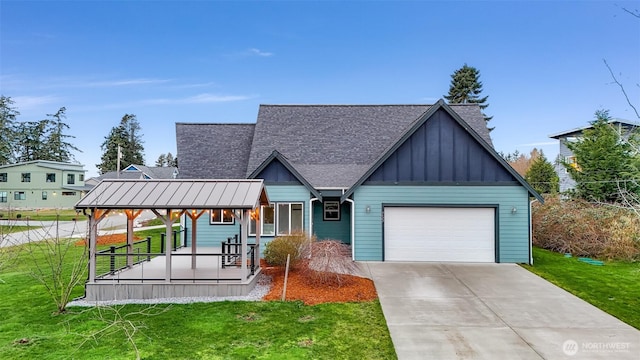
367, 209
514, 210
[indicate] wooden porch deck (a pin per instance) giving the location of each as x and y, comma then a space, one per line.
146, 280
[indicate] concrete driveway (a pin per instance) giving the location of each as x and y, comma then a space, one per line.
492, 311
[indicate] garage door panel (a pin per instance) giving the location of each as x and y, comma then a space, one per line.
439, 234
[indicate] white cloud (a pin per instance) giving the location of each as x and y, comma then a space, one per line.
25, 103
124, 82
254, 51
198, 99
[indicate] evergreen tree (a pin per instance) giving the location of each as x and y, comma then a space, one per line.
466, 88
8, 117
127, 136
55, 144
542, 176
30, 137
605, 162
170, 160
162, 161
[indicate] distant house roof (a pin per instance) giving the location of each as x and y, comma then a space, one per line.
57, 165
134, 171
329, 145
176, 194
580, 130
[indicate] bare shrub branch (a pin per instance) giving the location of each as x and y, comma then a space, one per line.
329, 264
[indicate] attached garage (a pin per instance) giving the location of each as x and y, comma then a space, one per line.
458, 234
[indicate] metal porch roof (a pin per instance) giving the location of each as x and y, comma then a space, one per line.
175, 194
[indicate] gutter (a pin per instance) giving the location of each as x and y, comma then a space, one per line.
310, 232
353, 228
531, 232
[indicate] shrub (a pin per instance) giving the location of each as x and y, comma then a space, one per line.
329, 264
586, 229
296, 245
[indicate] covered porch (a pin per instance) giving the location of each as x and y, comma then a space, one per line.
173, 271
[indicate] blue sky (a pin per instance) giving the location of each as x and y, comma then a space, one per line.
541, 63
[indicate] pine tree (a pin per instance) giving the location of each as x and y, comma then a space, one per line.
55, 145
605, 163
127, 136
8, 118
162, 161
466, 88
542, 176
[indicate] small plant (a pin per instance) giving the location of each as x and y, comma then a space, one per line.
296, 245
18, 216
329, 264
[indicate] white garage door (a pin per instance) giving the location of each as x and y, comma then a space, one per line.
439, 234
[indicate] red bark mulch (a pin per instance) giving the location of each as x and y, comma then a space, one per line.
356, 289
112, 239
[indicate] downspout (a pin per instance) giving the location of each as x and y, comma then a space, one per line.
353, 228
531, 232
311, 216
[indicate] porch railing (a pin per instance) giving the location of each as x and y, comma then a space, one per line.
214, 271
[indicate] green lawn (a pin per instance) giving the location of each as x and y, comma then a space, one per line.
8, 229
42, 215
224, 330
614, 287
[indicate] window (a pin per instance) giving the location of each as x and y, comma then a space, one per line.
266, 221
81, 177
71, 178
51, 177
26, 177
19, 195
332, 210
221, 216
3, 177
68, 193
3, 196
571, 161
289, 218
44, 195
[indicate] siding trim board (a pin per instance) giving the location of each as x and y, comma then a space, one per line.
293, 178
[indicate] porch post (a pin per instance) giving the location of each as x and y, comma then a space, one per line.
129, 239
244, 221
168, 245
92, 242
257, 219
194, 221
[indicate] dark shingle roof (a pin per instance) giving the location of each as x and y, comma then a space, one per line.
213, 151
329, 145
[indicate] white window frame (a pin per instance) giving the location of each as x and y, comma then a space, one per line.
25, 177
222, 217
261, 220
4, 196
19, 195
328, 208
71, 179
289, 229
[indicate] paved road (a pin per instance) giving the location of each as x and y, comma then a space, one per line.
64, 229
492, 311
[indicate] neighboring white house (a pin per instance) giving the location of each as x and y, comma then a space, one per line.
41, 184
624, 127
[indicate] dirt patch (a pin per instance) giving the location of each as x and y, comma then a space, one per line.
357, 289
112, 239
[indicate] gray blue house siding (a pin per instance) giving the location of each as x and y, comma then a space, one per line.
512, 233
212, 235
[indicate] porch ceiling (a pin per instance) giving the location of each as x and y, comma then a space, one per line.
175, 194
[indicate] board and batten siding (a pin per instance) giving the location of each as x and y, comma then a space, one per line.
212, 235
512, 232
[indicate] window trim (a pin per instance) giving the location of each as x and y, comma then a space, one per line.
4, 195
277, 217
276, 224
19, 198
53, 177
4, 177
222, 222
261, 222
25, 177
71, 177
325, 210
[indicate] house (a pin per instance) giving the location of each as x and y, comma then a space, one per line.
41, 184
396, 182
624, 128
134, 171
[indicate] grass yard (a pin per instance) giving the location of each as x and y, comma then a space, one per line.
224, 330
614, 287
8, 229
42, 215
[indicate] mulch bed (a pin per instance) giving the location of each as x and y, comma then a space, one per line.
355, 289
112, 239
